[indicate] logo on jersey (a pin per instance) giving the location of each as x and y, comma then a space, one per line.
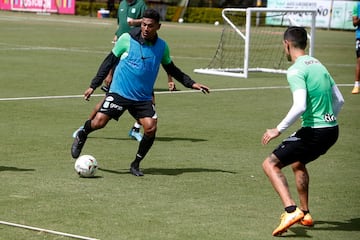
329, 117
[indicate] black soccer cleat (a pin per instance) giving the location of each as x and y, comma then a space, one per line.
136, 171
78, 144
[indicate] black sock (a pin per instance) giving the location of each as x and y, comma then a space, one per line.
136, 129
144, 147
290, 209
87, 127
305, 212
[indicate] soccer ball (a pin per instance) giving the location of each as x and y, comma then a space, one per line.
86, 166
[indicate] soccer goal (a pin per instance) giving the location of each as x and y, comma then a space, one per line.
251, 40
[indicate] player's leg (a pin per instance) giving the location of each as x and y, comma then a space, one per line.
287, 151
135, 131
91, 116
150, 126
96, 109
302, 183
302, 186
109, 109
318, 140
272, 168
356, 88
146, 114
98, 122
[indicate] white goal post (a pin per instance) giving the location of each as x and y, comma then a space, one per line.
251, 40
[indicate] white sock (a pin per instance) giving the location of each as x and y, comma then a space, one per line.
357, 84
137, 125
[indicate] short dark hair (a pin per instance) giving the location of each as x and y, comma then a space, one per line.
152, 14
296, 35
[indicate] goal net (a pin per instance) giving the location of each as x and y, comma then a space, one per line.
251, 40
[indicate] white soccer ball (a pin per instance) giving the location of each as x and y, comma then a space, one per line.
216, 23
181, 20
86, 166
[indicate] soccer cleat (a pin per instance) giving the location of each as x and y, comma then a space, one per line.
307, 220
76, 131
78, 144
136, 171
287, 220
135, 134
355, 90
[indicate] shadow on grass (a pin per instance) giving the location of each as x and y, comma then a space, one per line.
160, 139
169, 171
179, 171
351, 225
348, 225
15, 169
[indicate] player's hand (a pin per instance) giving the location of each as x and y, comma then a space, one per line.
87, 93
269, 135
171, 86
204, 89
130, 21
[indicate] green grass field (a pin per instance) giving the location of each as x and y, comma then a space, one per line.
203, 178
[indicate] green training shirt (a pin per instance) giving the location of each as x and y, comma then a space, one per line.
134, 10
309, 74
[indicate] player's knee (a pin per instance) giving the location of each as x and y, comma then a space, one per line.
298, 166
271, 163
98, 122
150, 130
265, 165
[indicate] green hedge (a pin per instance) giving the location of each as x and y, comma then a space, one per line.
91, 9
203, 15
192, 14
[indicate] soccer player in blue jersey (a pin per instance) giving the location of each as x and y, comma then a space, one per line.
141, 52
317, 100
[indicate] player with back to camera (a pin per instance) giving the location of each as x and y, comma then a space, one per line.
129, 15
317, 100
141, 52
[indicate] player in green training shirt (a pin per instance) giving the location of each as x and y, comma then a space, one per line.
129, 15
317, 101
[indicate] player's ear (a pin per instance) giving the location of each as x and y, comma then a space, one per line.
286, 44
159, 26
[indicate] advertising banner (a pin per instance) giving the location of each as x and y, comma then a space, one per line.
330, 13
45, 6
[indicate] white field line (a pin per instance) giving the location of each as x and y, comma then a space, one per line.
46, 230
8, 47
162, 92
